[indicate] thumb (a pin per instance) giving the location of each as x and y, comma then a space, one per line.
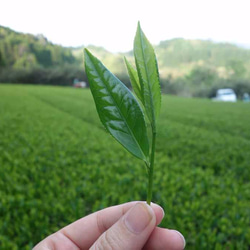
131, 231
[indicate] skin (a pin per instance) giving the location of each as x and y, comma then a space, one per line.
131, 225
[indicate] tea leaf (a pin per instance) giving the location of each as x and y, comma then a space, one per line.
118, 109
134, 79
147, 69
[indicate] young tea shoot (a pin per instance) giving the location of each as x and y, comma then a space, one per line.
124, 114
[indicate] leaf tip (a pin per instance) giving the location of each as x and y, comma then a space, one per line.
86, 51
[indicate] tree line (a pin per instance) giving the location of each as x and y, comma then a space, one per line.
187, 67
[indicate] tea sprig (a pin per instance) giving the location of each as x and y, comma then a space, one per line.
120, 112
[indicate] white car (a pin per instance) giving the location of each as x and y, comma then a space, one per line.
226, 95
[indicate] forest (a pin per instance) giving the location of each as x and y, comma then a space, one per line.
190, 68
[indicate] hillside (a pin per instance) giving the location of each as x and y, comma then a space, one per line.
25, 58
187, 67
20, 50
184, 55
113, 61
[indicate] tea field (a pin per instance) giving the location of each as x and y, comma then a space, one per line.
58, 164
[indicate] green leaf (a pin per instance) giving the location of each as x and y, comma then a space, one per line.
134, 79
118, 109
147, 69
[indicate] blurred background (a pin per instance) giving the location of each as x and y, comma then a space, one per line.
201, 45
58, 164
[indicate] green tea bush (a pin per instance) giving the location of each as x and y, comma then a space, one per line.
57, 164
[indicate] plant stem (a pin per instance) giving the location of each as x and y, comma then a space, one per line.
151, 167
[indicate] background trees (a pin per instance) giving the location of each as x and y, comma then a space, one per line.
187, 67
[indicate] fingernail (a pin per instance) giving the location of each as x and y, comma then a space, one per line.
138, 218
154, 205
163, 212
182, 237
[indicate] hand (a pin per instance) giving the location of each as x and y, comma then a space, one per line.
129, 226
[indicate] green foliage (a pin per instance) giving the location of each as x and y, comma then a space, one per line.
118, 109
58, 164
147, 69
202, 76
180, 51
63, 75
33, 59
134, 80
179, 60
16, 46
238, 68
1, 60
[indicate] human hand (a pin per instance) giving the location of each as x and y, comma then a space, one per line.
129, 226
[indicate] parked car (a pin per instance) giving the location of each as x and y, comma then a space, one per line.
225, 95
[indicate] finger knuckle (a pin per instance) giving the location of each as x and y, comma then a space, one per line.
107, 241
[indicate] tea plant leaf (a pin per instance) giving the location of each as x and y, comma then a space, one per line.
134, 79
147, 69
118, 109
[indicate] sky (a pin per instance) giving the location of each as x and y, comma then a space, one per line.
112, 23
